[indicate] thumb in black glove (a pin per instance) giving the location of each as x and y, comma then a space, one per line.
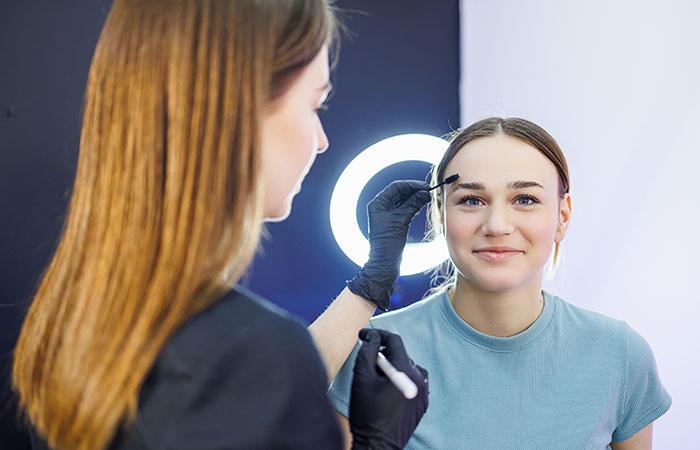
389, 215
380, 416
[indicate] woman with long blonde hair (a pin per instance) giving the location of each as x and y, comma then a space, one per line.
200, 122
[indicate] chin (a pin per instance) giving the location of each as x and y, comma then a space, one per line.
279, 214
493, 282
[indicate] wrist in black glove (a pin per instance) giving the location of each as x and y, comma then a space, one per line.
389, 215
380, 416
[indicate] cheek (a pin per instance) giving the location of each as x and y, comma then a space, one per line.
461, 231
540, 231
287, 154
297, 147
459, 228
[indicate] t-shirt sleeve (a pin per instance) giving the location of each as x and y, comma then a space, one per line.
265, 389
644, 399
339, 392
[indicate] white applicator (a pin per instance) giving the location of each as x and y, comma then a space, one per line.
404, 384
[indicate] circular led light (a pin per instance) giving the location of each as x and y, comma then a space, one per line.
416, 258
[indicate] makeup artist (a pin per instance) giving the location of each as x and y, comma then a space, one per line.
200, 123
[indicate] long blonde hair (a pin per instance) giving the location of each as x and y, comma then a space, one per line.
166, 209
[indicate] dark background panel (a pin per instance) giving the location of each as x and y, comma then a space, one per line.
45, 51
398, 73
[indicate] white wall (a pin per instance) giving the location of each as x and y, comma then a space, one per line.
617, 83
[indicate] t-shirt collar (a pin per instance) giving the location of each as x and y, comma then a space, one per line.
494, 343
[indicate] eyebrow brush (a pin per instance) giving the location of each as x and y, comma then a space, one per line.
447, 180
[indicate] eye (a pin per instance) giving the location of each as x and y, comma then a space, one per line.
529, 198
466, 200
323, 107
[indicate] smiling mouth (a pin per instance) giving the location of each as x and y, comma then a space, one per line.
497, 256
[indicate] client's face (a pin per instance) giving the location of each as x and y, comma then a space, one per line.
482, 209
292, 135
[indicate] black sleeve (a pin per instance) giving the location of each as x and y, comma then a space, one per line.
265, 389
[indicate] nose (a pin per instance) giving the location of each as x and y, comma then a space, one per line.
497, 222
322, 138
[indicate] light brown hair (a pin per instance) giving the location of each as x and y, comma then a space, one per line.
521, 129
166, 208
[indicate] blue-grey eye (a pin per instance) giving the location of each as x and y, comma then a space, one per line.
465, 201
532, 199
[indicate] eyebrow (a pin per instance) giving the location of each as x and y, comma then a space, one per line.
520, 184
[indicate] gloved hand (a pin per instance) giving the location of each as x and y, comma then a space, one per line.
390, 214
380, 416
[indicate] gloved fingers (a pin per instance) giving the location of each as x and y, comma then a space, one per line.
403, 188
396, 192
368, 334
418, 374
423, 382
424, 373
394, 350
367, 354
407, 187
416, 201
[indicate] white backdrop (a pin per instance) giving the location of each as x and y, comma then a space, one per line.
618, 85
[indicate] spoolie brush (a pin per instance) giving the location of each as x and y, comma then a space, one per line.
447, 180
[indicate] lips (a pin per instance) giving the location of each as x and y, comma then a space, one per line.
497, 254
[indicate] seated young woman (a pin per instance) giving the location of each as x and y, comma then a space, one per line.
513, 366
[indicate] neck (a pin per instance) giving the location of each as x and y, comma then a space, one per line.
498, 313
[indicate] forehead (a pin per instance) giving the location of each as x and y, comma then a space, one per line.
317, 71
500, 159
312, 82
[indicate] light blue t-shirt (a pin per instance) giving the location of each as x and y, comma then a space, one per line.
573, 380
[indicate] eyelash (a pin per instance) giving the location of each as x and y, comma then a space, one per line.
463, 200
323, 107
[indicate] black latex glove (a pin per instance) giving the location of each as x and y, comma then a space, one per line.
380, 416
389, 215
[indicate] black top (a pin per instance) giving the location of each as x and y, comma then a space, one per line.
240, 375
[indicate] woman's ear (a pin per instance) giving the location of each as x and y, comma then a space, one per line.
564, 217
